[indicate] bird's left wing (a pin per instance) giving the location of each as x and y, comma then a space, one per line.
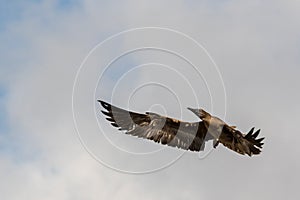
244, 144
152, 126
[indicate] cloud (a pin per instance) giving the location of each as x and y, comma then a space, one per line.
255, 46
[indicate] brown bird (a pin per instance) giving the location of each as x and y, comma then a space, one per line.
185, 135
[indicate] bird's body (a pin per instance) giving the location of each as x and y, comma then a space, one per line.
215, 126
185, 135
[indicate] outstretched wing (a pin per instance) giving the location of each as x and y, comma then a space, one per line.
164, 130
244, 144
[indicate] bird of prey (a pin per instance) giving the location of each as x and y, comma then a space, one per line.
184, 135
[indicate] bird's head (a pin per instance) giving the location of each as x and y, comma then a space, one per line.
202, 114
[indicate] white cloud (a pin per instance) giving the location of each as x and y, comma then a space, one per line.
255, 45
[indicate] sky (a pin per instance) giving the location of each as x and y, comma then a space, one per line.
238, 60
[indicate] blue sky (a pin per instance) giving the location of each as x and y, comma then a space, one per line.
9, 11
255, 45
2, 109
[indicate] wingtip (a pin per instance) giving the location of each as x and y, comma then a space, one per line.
100, 101
104, 104
256, 133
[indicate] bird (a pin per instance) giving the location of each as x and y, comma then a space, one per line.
189, 136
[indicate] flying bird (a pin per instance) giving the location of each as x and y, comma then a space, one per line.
184, 135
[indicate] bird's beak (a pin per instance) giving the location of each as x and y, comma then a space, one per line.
199, 112
193, 110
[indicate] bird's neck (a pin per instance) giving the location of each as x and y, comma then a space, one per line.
214, 126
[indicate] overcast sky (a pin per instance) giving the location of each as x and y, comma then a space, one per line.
238, 60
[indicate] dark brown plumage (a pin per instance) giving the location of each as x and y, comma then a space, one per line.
185, 135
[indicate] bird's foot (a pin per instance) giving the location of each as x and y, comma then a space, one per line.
215, 143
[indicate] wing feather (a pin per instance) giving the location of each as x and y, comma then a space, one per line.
243, 144
164, 130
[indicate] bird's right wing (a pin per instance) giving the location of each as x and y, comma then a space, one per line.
164, 130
